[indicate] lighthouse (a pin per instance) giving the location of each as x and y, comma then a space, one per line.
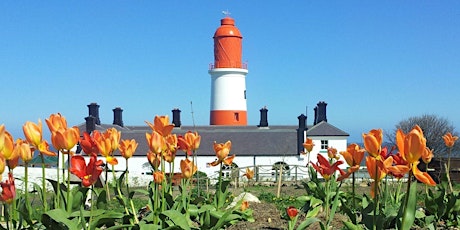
228, 77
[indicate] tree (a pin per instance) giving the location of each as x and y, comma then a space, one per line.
433, 127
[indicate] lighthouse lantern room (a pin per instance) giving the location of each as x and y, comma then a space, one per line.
228, 77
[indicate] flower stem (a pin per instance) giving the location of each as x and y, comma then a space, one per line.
45, 203
406, 199
69, 207
448, 170
26, 188
353, 195
376, 191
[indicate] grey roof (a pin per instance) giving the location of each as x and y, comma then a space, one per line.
325, 129
246, 140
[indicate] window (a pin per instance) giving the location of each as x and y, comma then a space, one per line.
244, 94
237, 116
324, 144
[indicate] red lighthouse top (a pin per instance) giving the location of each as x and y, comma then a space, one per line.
227, 45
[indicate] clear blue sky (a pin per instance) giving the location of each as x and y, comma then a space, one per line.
374, 62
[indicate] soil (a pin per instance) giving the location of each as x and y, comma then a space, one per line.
268, 216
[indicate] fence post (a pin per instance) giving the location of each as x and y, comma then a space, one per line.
257, 173
295, 177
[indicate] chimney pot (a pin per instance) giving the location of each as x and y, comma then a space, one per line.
263, 117
176, 117
301, 132
117, 116
321, 112
94, 111
90, 124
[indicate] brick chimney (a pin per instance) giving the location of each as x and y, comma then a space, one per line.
316, 115
263, 117
94, 112
90, 124
301, 132
176, 117
321, 112
117, 116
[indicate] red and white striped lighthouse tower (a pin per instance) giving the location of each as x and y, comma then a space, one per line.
228, 77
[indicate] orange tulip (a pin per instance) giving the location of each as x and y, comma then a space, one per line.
154, 159
411, 145
380, 171
325, 168
158, 177
23, 150
189, 142
422, 176
222, 150
161, 125
188, 168
8, 146
2, 166
171, 148
400, 166
229, 160
114, 136
105, 143
332, 153
244, 205
249, 173
56, 122
2, 136
33, 132
427, 155
128, 148
308, 145
65, 140
354, 154
449, 139
373, 142
8, 190
156, 142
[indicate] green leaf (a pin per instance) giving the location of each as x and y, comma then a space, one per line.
108, 218
351, 226
307, 222
176, 217
408, 216
313, 212
58, 219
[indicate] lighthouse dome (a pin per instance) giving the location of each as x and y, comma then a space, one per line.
227, 28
